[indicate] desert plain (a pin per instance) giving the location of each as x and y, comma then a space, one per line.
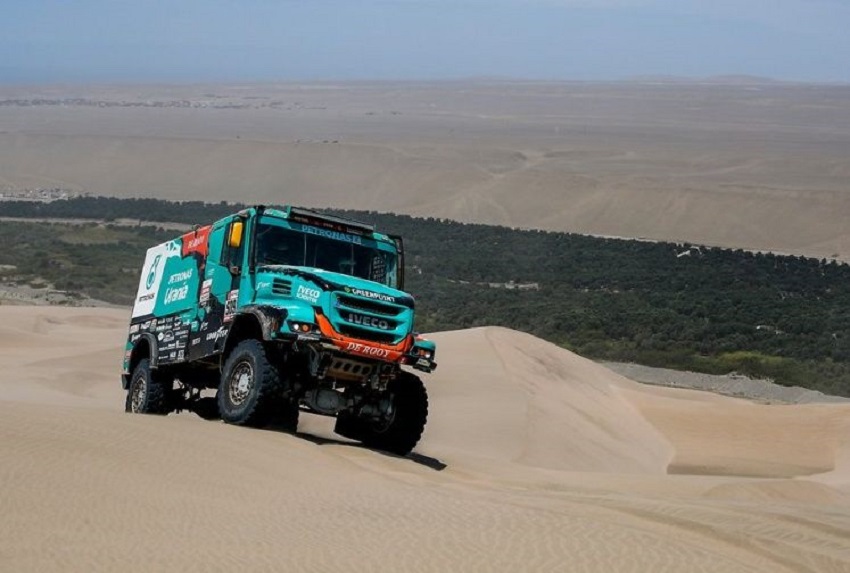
739, 163
534, 459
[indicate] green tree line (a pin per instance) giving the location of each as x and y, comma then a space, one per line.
660, 304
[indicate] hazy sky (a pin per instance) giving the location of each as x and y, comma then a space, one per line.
243, 40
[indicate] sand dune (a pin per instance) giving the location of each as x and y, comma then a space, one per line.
534, 459
581, 422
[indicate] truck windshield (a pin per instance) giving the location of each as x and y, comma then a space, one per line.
279, 246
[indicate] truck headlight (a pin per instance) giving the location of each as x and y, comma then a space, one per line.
303, 327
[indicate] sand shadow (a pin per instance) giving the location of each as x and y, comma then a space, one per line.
420, 459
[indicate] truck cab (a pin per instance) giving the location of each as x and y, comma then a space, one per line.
279, 311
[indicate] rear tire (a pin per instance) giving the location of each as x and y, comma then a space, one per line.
402, 431
150, 391
251, 389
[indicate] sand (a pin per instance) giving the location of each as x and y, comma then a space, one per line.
761, 166
534, 459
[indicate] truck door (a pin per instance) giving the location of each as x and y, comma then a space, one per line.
217, 301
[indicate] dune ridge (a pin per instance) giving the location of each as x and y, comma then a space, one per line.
534, 459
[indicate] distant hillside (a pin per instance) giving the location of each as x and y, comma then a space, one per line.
720, 80
742, 79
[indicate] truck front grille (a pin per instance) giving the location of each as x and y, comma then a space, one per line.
371, 320
364, 334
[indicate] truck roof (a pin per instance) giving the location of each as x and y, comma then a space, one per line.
324, 221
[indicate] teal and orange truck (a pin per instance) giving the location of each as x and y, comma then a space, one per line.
281, 310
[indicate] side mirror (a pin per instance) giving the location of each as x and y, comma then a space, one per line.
234, 239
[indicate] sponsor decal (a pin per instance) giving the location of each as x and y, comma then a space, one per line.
370, 294
180, 355
180, 277
146, 325
378, 270
309, 294
166, 336
134, 328
196, 341
230, 305
176, 294
335, 235
150, 279
152, 272
196, 242
368, 321
364, 350
205, 292
213, 336
153, 324
135, 337
423, 362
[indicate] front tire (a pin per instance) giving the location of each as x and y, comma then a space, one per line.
150, 391
251, 389
402, 429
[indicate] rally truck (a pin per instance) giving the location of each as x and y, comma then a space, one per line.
281, 310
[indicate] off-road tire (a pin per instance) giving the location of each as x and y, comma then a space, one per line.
403, 430
251, 388
150, 391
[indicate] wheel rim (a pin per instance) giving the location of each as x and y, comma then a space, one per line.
137, 400
241, 383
